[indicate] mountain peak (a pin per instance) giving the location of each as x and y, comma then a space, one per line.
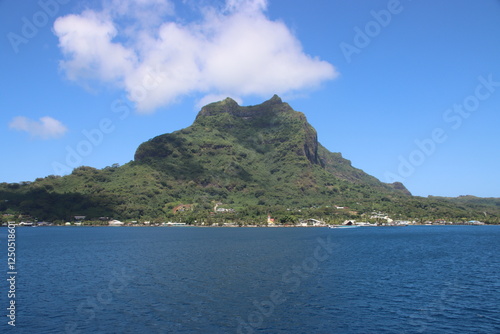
274, 100
229, 101
230, 106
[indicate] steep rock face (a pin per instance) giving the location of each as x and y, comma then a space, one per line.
311, 144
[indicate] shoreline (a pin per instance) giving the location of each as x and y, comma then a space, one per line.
247, 226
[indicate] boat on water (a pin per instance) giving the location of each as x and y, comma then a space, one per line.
342, 226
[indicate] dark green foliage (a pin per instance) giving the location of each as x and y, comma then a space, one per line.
255, 160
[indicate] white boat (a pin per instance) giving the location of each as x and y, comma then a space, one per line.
342, 226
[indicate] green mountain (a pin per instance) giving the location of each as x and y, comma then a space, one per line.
250, 161
266, 150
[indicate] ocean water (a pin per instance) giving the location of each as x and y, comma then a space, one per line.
415, 279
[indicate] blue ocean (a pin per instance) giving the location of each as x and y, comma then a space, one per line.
414, 279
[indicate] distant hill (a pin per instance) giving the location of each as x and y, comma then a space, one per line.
250, 160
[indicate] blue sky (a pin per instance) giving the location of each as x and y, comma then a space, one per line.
407, 90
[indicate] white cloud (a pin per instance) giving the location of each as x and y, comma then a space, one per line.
86, 40
248, 7
238, 51
46, 128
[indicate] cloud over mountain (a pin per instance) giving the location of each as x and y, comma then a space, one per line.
157, 57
